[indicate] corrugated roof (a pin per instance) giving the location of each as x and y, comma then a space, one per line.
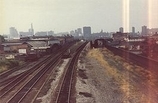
37, 43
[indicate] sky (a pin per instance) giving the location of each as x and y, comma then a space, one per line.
67, 15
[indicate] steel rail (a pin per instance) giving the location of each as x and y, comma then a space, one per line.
51, 61
22, 92
146, 63
3, 75
38, 85
11, 79
65, 88
5, 81
42, 86
24, 76
15, 81
139, 60
11, 85
34, 100
37, 80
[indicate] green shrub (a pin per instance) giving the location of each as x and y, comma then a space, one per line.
8, 64
13, 63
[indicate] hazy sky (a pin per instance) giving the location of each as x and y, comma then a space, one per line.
67, 15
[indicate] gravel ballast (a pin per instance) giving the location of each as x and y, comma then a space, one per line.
105, 78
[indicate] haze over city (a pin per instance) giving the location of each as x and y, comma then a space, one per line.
78, 51
66, 15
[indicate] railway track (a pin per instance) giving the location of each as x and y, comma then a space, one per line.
139, 60
15, 91
25, 87
146, 63
5, 79
31, 85
5, 74
64, 90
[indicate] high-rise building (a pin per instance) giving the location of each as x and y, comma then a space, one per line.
13, 33
79, 31
121, 29
144, 30
76, 33
133, 30
87, 32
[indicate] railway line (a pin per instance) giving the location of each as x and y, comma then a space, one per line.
139, 60
144, 62
15, 82
64, 91
25, 87
25, 80
32, 83
5, 79
5, 75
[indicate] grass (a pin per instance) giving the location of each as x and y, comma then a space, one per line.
6, 64
3, 68
122, 78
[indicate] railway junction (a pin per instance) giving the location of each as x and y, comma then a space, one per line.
87, 75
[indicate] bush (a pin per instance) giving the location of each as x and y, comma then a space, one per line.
9, 63
13, 63
3, 68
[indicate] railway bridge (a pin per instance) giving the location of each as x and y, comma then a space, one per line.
100, 43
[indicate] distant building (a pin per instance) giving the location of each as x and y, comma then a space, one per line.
76, 33
79, 31
62, 34
133, 30
50, 33
42, 33
144, 30
152, 31
121, 30
30, 32
120, 36
72, 33
13, 33
25, 34
87, 32
17, 47
100, 35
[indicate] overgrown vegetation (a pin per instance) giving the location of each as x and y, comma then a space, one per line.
121, 78
6, 64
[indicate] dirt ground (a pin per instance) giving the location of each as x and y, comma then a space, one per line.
107, 78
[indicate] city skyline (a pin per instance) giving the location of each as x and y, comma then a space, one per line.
144, 31
61, 16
